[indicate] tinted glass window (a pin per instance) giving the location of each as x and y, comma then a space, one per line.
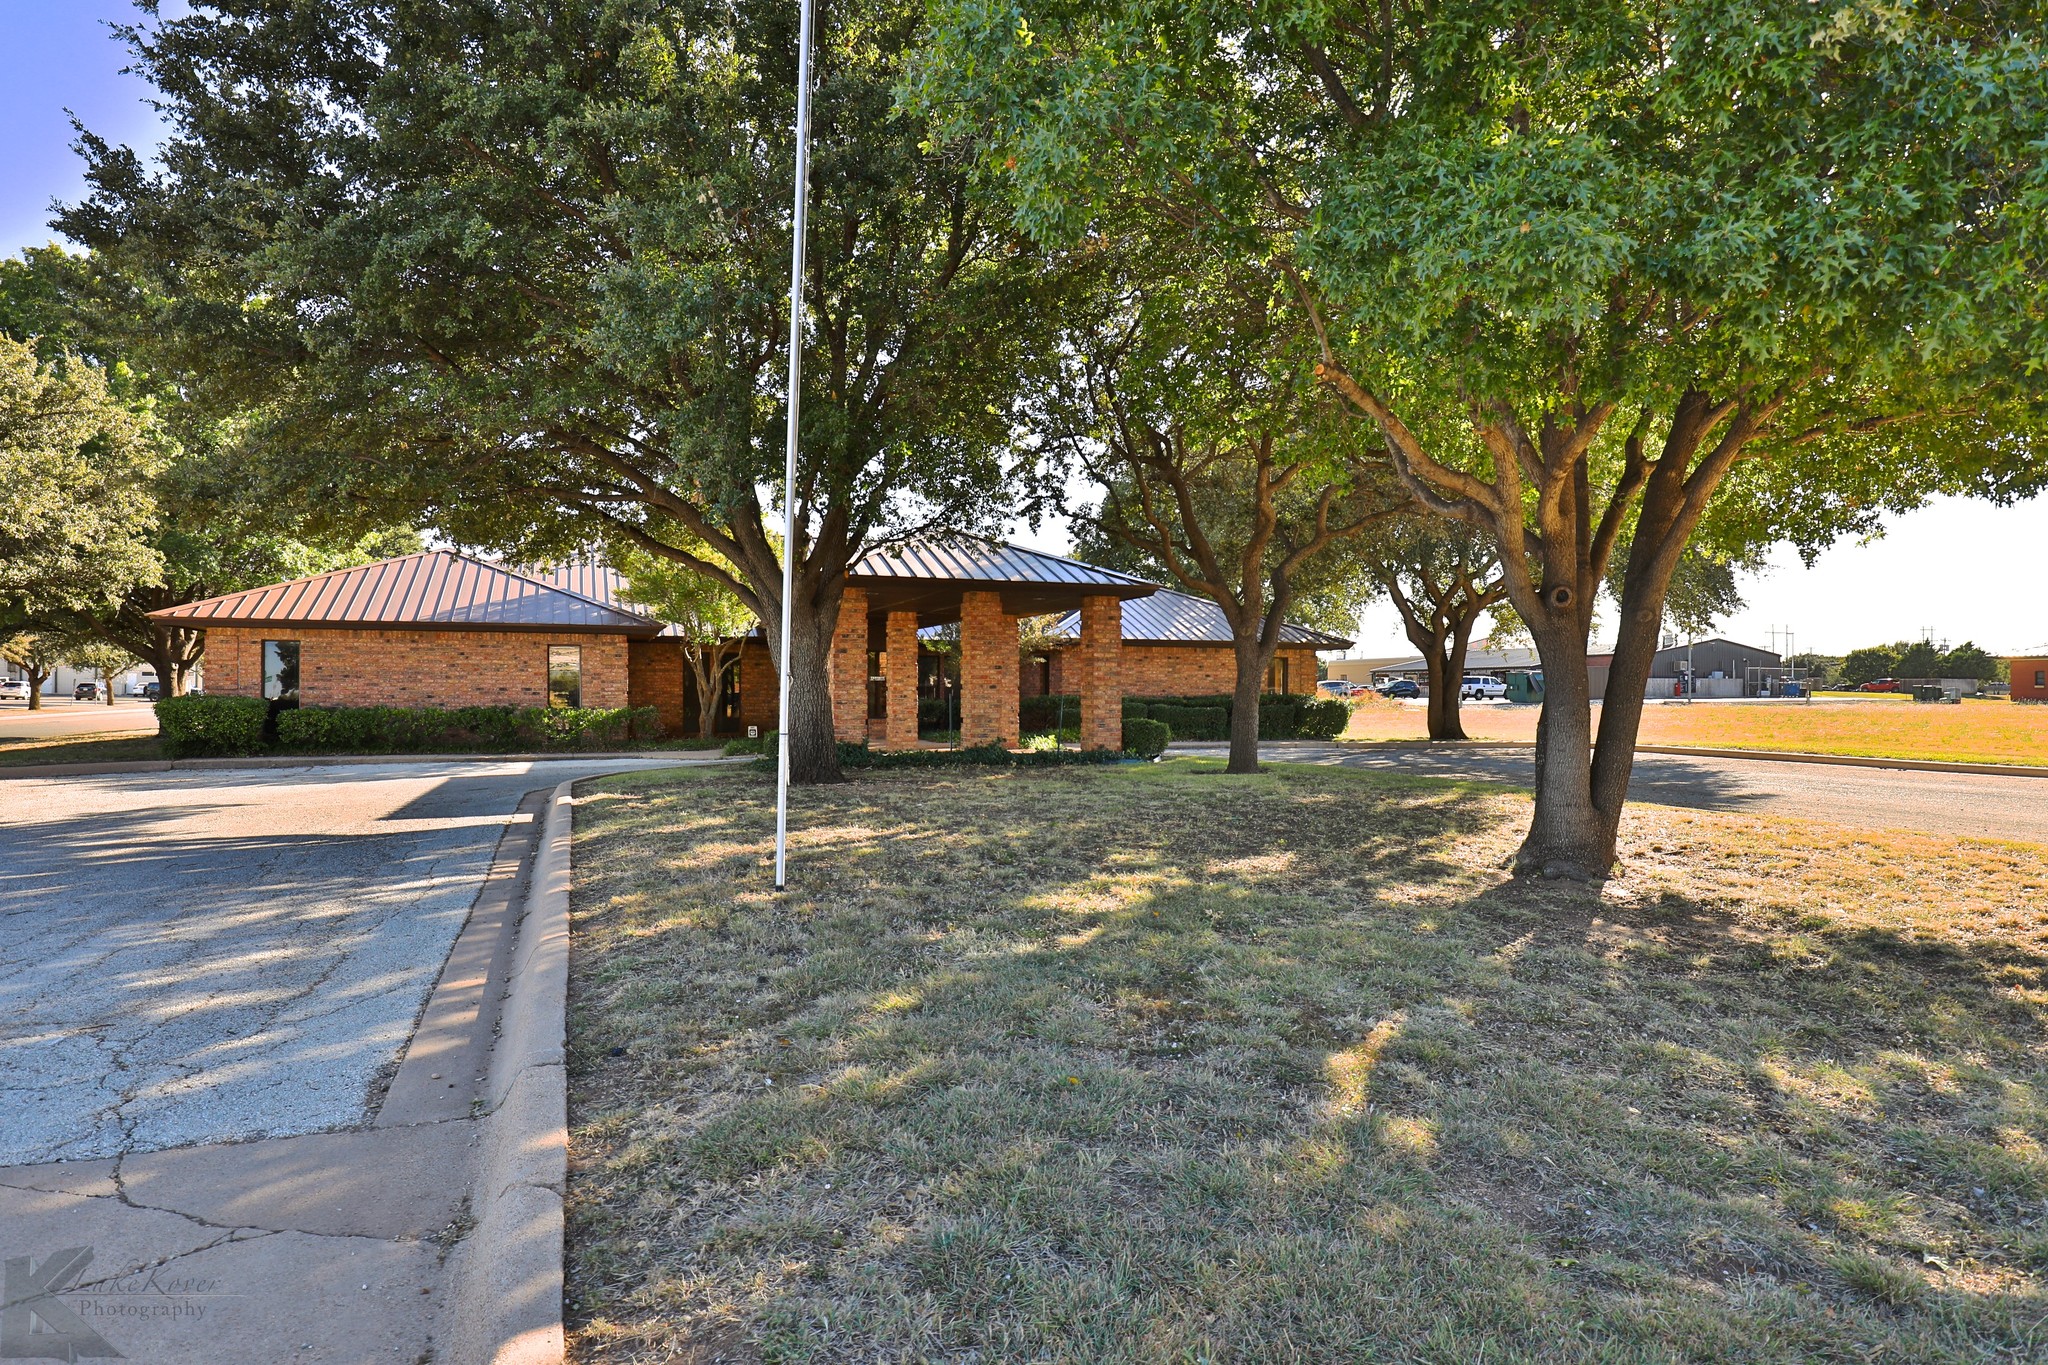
281, 670
565, 675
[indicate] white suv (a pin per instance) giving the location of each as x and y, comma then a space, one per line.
1482, 689
13, 689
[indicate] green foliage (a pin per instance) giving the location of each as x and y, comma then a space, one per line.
1047, 712
466, 729
75, 465
1146, 738
1321, 718
1192, 722
1591, 272
1870, 663
211, 727
214, 529
215, 726
1919, 659
764, 744
526, 269
980, 756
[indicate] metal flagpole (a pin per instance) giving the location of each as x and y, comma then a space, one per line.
796, 360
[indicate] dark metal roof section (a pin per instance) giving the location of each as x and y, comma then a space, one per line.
594, 578
928, 576
438, 590
1178, 618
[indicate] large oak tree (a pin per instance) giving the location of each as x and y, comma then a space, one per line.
522, 271
1585, 270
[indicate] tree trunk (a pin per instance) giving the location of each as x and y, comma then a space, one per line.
1252, 661
1570, 835
36, 679
813, 745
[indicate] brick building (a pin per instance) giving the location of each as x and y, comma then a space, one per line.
432, 629
445, 629
2030, 675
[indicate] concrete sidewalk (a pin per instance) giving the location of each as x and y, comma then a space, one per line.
325, 1246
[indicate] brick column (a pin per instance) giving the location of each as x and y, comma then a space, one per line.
1099, 657
850, 668
899, 672
988, 671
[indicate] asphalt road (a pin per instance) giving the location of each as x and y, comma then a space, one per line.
214, 955
1867, 798
63, 716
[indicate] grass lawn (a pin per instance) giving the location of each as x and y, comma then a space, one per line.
123, 746
1974, 732
1151, 1064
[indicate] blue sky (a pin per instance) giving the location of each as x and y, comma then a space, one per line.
1963, 570
54, 55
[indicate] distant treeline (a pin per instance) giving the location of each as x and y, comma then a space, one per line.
1906, 659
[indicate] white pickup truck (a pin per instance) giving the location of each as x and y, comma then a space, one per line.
1476, 688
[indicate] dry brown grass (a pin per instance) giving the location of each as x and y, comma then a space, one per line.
121, 746
1160, 1065
1974, 732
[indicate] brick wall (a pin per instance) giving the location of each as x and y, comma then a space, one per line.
1100, 655
655, 677
760, 687
988, 671
849, 679
2024, 688
899, 666
1182, 670
418, 667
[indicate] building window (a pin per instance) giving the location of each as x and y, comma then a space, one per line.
2041, 677
1276, 675
565, 675
281, 670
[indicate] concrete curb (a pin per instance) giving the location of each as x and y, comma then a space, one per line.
1469, 746
1917, 765
505, 1292
164, 765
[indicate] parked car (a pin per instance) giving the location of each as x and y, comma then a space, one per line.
14, 689
1338, 687
1400, 687
89, 691
1880, 685
151, 691
1479, 688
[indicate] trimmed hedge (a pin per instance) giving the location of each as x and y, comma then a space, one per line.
461, 729
1048, 711
219, 726
211, 727
1146, 738
1289, 715
1192, 722
981, 756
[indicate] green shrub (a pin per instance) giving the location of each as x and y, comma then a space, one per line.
860, 756
1323, 719
935, 713
212, 727
1146, 738
1049, 712
1136, 710
462, 729
1277, 717
1193, 722
764, 745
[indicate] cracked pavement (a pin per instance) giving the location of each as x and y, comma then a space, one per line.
219, 955
204, 976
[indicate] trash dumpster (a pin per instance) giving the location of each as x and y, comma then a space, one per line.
1525, 687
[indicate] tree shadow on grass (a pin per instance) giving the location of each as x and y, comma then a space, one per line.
1077, 1068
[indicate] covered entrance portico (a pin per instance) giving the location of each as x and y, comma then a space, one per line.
985, 587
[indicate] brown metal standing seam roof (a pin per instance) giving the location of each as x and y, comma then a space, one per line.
438, 589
